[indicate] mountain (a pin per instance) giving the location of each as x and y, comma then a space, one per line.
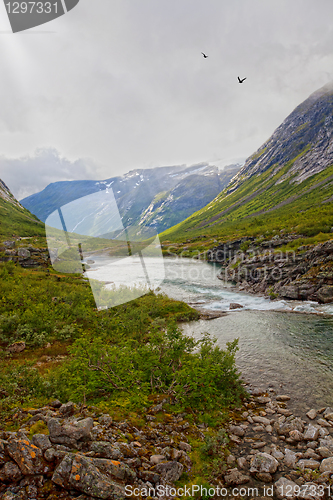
149, 198
14, 218
286, 185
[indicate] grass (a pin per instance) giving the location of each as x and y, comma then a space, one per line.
260, 208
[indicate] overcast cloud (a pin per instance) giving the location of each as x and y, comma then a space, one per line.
122, 84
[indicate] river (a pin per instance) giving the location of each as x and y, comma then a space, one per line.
283, 345
279, 347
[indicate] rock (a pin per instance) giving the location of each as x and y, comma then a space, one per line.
282, 397
324, 452
9, 244
235, 305
41, 441
24, 253
329, 416
126, 449
327, 411
263, 399
185, 447
323, 432
263, 462
323, 423
276, 453
27, 456
296, 435
156, 459
265, 477
259, 444
242, 463
16, 347
157, 408
311, 454
105, 420
261, 420
269, 429
290, 458
310, 491
327, 465
236, 430
150, 476
96, 477
230, 459
69, 433
308, 464
10, 473
311, 414
311, 433
235, 477
289, 292
169, 471
290, 424
55, 403
104, 449
284, 488
66, 410
325, 294
235, 439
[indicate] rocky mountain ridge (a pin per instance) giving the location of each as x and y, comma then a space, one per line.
286, 185
305, 137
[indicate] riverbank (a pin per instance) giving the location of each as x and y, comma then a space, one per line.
279, 268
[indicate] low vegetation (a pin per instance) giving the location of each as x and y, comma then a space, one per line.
125, 355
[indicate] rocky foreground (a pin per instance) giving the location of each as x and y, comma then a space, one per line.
271, 452
88, 457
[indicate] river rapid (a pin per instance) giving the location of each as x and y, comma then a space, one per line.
279, 347
284, 345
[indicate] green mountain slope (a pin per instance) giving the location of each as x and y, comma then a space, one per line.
15, 220
286, 185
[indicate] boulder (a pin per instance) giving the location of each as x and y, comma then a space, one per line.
104, 449
263, 462
96, 477
261, 420
235, 305
311, 414
23, 253
308, 464
311, 432
169, 471
327, 465
235, 477
10, 473
284, 488
290, 424
325, 294
41, 441
28, 457
290, 458
69, 433
16, 347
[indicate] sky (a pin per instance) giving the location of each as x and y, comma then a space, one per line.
116, 85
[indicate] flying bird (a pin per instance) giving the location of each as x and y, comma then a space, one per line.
241, 81
204, 55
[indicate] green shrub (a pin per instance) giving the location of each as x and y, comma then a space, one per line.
195, 373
